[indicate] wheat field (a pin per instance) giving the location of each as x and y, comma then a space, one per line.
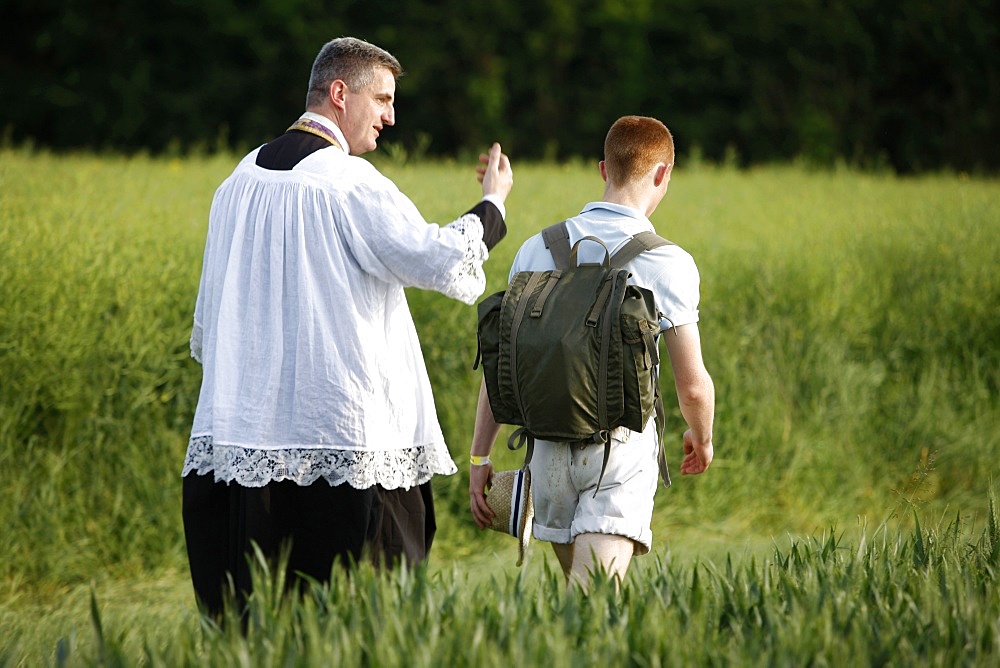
851, 323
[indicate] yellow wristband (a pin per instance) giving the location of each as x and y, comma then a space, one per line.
477, 460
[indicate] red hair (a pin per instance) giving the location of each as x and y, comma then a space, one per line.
634, 145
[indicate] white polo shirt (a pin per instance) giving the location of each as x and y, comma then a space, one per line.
668, 271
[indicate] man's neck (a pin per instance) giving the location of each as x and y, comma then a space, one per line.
643, 202
330, 123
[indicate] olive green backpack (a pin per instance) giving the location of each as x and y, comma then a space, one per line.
570, 354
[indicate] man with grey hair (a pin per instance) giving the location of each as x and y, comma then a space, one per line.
315, 429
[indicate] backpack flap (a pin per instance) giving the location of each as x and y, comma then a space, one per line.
550, 370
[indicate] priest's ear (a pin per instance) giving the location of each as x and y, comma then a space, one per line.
337, 95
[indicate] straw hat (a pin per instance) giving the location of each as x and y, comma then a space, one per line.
510, 500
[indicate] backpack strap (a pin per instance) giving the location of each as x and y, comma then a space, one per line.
660, 417
640, 243
556, 239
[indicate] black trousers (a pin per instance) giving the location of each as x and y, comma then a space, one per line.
321, 525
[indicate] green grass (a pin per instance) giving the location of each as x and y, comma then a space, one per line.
850, 321
927, 598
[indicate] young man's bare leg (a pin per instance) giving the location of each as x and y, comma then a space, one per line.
596, 551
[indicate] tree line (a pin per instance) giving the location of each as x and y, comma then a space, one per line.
912, 85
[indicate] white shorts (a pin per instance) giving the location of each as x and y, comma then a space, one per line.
564, 477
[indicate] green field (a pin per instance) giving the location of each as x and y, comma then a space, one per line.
851, 323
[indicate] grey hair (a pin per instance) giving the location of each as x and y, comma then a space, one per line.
351, 60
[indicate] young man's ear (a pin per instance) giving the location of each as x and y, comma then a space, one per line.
662, 172
604, 171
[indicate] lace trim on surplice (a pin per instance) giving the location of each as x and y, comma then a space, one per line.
252, 467
468, 280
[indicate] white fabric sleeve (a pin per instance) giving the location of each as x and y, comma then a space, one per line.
392, 241
205, 297
468, 280
677, 292
196, 338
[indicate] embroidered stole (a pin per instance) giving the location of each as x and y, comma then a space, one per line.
318, 129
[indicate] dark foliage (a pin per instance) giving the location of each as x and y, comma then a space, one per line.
910, 85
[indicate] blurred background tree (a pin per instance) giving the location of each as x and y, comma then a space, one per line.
913, 85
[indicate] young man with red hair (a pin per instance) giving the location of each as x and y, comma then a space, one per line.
601, 532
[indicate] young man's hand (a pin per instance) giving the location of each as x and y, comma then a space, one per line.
697, 456
480, 479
